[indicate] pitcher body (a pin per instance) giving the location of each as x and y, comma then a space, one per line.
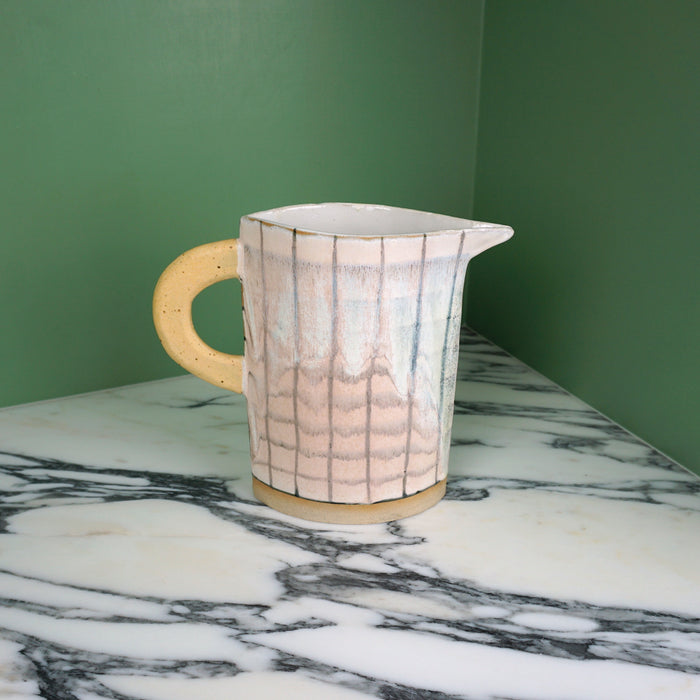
351, 319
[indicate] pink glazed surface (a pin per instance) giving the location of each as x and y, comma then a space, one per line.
350, 359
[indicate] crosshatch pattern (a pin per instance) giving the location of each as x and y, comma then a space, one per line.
350, 360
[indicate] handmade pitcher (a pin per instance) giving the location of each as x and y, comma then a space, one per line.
351, 320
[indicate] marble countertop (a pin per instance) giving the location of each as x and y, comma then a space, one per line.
135, 562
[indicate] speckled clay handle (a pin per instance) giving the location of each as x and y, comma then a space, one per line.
177, 287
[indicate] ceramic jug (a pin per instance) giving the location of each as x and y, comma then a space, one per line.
351, 317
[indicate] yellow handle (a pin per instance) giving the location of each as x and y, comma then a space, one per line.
177, 287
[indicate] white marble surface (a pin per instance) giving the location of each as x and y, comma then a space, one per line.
135, 563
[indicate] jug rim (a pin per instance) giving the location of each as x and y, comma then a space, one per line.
444, 224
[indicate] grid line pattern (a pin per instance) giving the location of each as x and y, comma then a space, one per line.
350, 361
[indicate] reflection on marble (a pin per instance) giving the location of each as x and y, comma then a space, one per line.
135, 562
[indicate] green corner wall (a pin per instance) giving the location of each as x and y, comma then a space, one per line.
589, 146
131, 131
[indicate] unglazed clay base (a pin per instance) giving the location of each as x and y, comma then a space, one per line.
346, 513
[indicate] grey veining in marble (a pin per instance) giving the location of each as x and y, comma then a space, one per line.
136, 564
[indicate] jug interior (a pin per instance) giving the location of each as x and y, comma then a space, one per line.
363, 220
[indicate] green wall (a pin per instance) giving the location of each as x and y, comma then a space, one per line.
589, 146
133, 130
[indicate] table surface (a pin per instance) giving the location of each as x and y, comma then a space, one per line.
135, 562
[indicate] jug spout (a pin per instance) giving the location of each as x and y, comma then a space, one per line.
480, 236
